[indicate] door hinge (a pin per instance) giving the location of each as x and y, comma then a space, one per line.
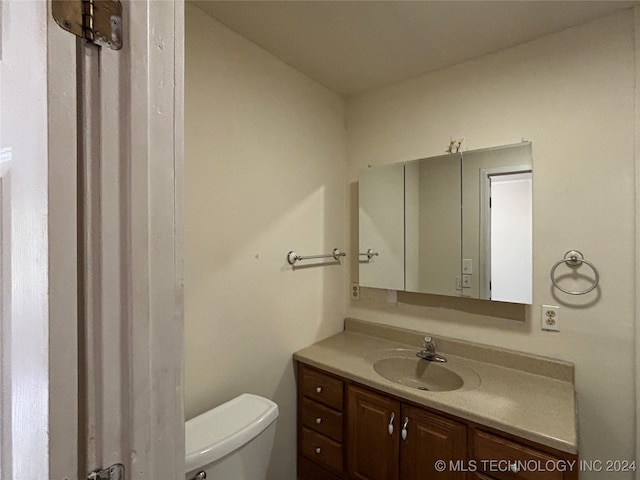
114, 472
97, 21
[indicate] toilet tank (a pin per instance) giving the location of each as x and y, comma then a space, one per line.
232, 441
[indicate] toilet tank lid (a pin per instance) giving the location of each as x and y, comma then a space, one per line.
218, 432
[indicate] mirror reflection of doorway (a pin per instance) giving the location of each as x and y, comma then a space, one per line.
508, 247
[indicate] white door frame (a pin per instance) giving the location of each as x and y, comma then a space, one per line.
637, 232
131, 282
131, 342
156, 288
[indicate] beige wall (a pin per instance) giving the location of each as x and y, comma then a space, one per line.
572, 94
265, 174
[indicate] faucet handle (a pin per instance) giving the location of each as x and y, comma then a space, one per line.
428, 340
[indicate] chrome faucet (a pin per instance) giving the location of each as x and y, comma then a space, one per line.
429, 352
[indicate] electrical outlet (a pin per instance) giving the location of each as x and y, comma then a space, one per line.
466, 281
355, 291
458, 283
550, 318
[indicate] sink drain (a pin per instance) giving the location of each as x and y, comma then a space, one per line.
423, 388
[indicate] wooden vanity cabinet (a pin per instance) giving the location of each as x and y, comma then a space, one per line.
350, 432
373, 451
431, 437
320, 425
500, 458
391, 440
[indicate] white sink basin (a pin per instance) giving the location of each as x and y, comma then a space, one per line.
401, 366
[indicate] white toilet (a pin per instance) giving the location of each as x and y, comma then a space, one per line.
232, 441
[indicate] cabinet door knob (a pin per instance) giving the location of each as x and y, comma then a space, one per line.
393, 417
404, 428
319, 420
318, 450
318, 389
514, 467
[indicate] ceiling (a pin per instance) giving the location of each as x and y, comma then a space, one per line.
355, 46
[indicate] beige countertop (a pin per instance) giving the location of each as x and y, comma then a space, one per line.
525, 395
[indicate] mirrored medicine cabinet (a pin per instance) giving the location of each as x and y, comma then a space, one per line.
458, 225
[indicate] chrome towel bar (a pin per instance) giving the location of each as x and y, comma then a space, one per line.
369, 254
293, 257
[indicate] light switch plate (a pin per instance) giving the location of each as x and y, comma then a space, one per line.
467, 266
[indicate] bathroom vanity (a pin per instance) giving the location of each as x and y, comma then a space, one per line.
364, 411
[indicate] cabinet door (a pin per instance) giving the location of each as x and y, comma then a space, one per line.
431, 438
372, 446
505, 459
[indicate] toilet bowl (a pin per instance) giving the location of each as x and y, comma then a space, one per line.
232, 441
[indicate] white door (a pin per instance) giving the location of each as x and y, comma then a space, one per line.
91, 268
511, 238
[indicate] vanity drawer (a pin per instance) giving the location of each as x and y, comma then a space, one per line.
322, 450
322, 419
308, 470
478, 476
506, 455
322, 388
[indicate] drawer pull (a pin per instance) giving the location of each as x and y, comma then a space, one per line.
404, 428
319, 420
318, 389
393, 417
318, 450
514, 467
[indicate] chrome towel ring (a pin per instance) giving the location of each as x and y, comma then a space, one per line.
574, 258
